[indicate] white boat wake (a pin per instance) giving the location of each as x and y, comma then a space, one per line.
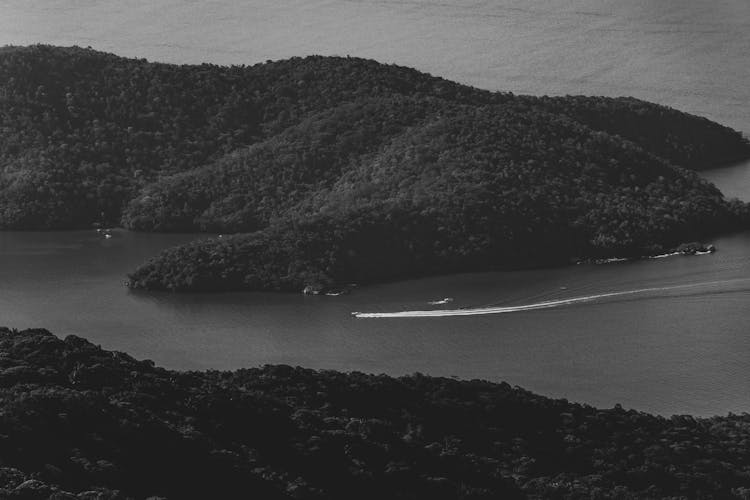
478, 311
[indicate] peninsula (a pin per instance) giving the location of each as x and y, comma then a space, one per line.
322, 171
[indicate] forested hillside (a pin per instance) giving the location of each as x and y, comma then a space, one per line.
538, 189
345, 169
81, 422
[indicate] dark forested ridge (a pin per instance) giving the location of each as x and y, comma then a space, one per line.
78, 421
344, 169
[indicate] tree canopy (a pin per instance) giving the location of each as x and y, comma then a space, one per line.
81, 422
382, 171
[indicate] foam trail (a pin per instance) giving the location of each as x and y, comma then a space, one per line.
436, 313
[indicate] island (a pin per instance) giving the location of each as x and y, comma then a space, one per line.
325, 171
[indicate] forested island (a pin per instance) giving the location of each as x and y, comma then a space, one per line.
334, 170
77, 421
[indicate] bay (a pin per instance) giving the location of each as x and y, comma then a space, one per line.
682, 349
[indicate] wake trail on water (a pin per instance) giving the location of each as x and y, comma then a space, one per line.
478, 311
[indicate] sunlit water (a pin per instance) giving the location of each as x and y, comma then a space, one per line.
679, 349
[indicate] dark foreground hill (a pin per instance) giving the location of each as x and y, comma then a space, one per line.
343, 169
77, 421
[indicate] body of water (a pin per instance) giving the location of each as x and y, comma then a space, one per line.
690, 54
664, 335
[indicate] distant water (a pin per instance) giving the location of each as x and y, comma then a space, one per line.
690, 54
733, 180
677, 350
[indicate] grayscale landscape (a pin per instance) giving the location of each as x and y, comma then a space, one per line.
374, 249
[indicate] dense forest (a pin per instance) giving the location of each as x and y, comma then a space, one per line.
343, 169
81, 422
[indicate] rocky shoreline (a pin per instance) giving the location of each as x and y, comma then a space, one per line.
692, 248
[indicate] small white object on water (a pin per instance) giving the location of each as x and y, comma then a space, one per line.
441, 301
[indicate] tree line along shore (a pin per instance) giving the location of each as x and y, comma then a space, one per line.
329, 170
80, 422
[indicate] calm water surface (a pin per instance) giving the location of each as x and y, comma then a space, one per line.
670, 351
691, 54
678, 350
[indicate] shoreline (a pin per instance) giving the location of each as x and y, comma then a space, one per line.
79, 421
